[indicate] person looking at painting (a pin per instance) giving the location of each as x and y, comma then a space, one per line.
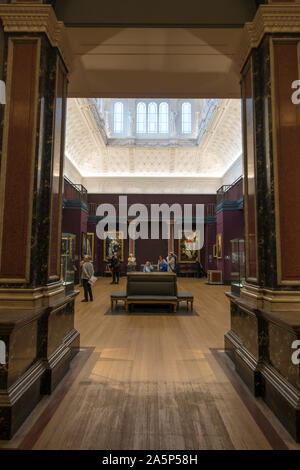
115, 265
162, 265
175, 258
171, 263
87, 272
148, 268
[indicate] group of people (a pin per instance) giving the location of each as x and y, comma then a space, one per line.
168, 264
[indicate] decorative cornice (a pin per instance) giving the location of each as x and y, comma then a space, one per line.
76, 205
269, 19
37, 19
230, 205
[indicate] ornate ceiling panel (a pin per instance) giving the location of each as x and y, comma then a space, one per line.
219, 148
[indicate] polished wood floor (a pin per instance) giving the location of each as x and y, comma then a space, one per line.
152, 381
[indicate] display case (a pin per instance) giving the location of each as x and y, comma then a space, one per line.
67, 262
238, 265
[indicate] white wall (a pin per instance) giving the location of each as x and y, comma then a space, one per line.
151, 185
71, 172
233, 173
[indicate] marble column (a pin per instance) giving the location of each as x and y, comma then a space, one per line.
265, 320
36, 315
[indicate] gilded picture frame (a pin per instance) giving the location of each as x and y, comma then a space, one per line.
67, 246
90, 245
219, 246
113, 242
188, 244
83, 244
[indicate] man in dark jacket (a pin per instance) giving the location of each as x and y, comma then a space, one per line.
115, 264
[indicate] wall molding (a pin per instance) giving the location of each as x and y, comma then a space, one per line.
269, 19
20, 18
151, 185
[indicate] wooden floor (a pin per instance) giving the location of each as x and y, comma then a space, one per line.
152, 381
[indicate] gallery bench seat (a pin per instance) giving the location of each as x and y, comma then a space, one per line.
151, 288
186, 297
118, 296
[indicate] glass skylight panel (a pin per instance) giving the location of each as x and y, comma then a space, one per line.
141, 118
186, 118
118, 118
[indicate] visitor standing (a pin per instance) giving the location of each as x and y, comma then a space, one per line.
87, 273
115, 264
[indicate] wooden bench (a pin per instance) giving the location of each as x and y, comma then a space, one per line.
186, 297
151, 288
118, 296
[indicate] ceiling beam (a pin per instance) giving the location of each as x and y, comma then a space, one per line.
156, 13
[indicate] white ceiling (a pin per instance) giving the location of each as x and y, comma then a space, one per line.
219, 149
155, 62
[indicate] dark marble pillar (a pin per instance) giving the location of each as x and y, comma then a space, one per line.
36, 315
265, 320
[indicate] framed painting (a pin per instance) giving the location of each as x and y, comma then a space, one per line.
188, 243
114, 242
90, 244
83, 244
219, 249
64, 246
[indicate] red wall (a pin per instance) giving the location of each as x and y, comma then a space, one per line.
150, 249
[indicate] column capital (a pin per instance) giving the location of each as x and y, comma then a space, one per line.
39, 18
269, 19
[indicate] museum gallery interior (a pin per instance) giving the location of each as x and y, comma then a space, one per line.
107, 113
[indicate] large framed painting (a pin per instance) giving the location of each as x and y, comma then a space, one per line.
189, 242
219, 246
83, 244
114, 242
90, 243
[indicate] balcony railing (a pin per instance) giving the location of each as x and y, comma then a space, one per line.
74, 192
232, 192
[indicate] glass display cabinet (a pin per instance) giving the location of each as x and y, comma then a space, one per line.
238, 265
67, 262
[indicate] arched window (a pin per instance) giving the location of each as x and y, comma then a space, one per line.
152, 118
141, 118
118, 118
186, 116
163, 118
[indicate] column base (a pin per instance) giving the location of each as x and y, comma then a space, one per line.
39, 346
282, 398
270, 374
18, 401
58, 364
246, 364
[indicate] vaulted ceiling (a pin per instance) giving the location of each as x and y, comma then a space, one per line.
218, 150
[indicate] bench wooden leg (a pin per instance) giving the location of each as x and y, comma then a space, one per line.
126, 306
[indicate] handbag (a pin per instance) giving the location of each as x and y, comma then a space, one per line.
92, 280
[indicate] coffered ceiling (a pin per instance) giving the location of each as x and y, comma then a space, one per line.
219, 149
